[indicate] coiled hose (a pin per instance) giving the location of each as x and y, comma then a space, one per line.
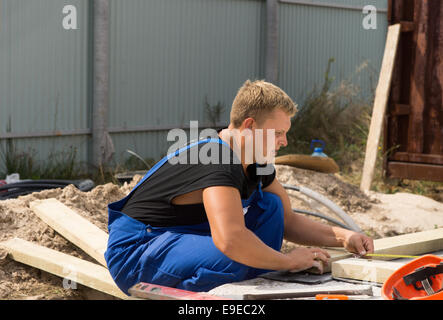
349, 223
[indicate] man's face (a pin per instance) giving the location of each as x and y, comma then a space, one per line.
274, 130
280, 121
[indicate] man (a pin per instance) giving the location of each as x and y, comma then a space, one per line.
195, 226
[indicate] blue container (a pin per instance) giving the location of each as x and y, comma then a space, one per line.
318, 151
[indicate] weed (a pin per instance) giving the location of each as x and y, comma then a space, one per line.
338, 117
58, 165
213, 113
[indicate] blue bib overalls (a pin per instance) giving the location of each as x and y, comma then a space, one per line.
185, 257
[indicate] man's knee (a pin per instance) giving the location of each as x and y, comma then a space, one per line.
178, 262
205, 279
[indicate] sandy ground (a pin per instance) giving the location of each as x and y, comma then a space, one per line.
379, 215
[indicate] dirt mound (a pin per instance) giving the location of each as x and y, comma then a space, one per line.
347, 196
378, 215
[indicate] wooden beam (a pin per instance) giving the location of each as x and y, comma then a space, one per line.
417, 158
417, 243
420, 81
412, 243
338, 253
407, 26
365, 270
63, 265
380, 103
390, 11
73, 227
335, 254
415, 171
401, 109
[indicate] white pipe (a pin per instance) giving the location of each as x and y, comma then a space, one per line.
332, 206
327, 203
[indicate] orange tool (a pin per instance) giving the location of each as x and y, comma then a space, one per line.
331, 297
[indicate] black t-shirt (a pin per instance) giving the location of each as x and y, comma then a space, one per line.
151, 203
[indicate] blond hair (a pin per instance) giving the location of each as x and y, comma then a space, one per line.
257, 99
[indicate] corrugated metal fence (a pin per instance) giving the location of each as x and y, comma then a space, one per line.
167, 58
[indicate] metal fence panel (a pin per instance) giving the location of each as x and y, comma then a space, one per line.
310, 36
168, 57
43, 71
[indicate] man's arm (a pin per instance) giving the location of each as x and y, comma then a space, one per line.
303, 230
230, 235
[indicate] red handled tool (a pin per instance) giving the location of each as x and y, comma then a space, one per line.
156, 292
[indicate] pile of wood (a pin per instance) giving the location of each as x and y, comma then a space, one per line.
81, 233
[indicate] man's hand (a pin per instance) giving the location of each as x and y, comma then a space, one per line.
305, 258
358, 243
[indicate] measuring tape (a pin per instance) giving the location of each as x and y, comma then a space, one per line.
382, 255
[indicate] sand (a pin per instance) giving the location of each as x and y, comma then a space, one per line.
379, 215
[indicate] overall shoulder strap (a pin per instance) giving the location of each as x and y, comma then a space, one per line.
174, 154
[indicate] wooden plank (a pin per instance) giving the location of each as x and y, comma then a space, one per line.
419, 79
401, 109
412, 243
336, 254
407, 244
388, 119
415, 171
434, 103
63, 265
73, 227
417, 243
380, 103
390, 12
426, 240
366, 270
407, 26
418, 157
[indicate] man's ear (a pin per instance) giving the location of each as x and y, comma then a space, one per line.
249, 123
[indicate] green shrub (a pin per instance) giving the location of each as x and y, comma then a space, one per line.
339, 117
